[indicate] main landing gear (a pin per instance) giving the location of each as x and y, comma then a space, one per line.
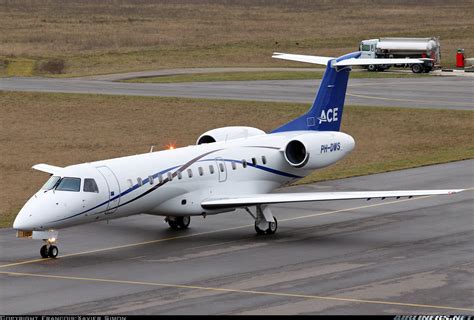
49, 251
265, 222
177, 223
271, 227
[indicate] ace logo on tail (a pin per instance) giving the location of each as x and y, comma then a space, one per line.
329, 116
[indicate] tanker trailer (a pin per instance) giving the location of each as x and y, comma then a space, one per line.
420, 48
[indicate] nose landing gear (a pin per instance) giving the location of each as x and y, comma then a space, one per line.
49, 250
49, 237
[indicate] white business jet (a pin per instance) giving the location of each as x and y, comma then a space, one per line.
227, 169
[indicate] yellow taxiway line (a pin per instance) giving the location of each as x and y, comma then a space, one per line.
229, 290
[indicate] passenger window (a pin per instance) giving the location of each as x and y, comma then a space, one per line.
221, 167
264, 160
254, 161
150, 178
190, 173
180, 176
244, 163
139, 181
90, 186
69, 184
201, 172
233, 165
211, 169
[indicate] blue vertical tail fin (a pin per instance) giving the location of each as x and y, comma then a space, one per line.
326, 112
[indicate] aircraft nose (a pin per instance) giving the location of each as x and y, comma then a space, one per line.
21, 221
38, 213
26, 219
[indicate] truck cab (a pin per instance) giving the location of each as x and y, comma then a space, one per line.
367, 48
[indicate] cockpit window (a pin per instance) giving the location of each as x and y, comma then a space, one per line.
69, 184
90, 186
51, 183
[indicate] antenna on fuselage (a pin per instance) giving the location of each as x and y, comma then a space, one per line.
151, 148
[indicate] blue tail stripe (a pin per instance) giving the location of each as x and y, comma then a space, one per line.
326, 112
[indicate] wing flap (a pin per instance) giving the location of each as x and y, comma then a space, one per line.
274, 198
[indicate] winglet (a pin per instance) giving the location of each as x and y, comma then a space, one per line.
47, 168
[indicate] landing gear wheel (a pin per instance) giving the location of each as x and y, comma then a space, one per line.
183, 222
173, 224
272, 227
53, 252
258, 230
44, 251
372, 67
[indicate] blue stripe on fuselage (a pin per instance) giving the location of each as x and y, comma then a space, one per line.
145, 181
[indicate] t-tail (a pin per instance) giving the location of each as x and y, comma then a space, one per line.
326, 112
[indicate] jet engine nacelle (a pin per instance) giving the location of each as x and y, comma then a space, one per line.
228, 133
318, 149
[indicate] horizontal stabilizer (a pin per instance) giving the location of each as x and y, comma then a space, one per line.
302, 58
366, 62
345, 62
47, 168
273, 198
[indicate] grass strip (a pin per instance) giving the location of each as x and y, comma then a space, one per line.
261, 75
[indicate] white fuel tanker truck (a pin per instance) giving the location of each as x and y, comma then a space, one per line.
422, 48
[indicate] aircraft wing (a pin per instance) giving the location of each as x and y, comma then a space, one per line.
273, 198
47, 168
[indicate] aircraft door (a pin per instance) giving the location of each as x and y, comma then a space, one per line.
221, 169
114, 188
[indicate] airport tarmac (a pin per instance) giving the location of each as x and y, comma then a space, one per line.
441, 92
406, 256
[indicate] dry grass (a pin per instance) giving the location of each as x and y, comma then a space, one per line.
125, 35
63, 129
